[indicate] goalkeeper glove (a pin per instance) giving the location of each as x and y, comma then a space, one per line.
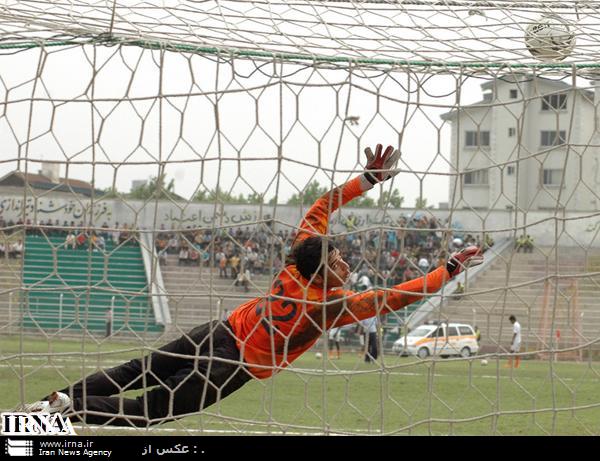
385, 162
467, 257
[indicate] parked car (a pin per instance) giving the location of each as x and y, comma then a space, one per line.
445, 339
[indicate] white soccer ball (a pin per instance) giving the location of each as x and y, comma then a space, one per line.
318, 355
484, 362
550, 38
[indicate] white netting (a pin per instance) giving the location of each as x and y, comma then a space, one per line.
450, 33
246, 112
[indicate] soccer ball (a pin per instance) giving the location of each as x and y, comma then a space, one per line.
318, 355
550, 38
484, 362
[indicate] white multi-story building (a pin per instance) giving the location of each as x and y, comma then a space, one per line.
528, 145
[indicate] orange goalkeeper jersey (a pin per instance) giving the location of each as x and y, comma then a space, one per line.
274, 331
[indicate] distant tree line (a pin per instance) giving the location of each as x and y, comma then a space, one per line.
158, 188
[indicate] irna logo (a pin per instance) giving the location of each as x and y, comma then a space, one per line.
36, 424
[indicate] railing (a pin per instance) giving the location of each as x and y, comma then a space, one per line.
158, 295
433, 302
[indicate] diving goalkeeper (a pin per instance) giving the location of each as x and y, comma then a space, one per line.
260, 337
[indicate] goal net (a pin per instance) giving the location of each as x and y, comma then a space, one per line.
158, 157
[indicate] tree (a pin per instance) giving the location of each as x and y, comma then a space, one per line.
421, 203
154, 188
255, 198
111, 192
362, 202
206, 195
309, 195
215, 195
201, 196
394, 199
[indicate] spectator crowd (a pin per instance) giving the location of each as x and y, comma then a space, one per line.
381, 257
376, 257
75, 235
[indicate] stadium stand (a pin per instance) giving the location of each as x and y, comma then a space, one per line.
73, 289
536, 288
10, 283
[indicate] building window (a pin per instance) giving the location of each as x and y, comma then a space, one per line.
554, 102
477, 139
553, 138
510, 170
551, 177
476, 178
511, 132
514, 94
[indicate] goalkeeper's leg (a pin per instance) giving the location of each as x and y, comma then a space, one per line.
136, 374
185, 393
185, 385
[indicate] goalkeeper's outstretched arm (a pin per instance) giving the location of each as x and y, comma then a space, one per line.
379, 168
350, 307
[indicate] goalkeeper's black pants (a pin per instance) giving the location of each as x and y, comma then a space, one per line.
183, 385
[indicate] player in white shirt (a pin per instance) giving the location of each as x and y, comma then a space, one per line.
371, 347
335, 335
515, 345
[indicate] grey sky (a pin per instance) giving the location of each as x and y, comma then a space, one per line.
304, 115
129, 131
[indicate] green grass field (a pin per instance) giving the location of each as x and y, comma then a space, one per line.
347, 396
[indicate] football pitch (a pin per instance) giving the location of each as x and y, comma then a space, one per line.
398, 396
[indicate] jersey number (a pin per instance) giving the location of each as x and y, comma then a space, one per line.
278, 288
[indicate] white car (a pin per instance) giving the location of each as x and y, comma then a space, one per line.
445, 339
